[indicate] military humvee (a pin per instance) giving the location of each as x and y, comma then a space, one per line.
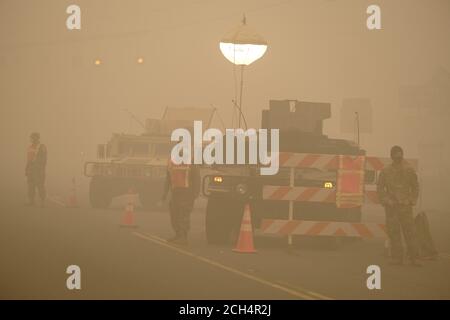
301, 131
138, 162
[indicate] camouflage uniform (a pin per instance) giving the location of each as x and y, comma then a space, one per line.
35, 172
398, 190
182, 202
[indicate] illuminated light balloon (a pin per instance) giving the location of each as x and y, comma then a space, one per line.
242, 45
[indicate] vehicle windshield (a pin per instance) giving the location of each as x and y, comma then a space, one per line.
134, 149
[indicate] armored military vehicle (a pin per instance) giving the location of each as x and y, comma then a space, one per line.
301, 131
138, 162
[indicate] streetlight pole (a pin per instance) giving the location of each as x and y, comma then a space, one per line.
357, 127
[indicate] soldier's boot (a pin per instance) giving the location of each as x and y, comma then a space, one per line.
174, 238
182, 240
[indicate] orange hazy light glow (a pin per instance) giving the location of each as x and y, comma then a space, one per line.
328, 185
218, 179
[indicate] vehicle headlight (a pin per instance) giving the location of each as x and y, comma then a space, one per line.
241, 188
218, 179
328, 185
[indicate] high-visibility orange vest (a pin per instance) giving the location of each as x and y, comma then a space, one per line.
179, 175
32, 152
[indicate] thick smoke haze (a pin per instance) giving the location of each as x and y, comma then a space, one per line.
329, 225
318, 51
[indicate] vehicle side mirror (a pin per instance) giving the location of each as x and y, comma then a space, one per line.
101, 151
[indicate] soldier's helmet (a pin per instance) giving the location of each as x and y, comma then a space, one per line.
395, 150
35, 136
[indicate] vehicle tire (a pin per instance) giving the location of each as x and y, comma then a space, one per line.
99, 194
222, 219
354, 214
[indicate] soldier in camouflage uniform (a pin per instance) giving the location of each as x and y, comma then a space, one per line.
35, 169
398, 190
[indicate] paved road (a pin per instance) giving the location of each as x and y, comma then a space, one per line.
37, 245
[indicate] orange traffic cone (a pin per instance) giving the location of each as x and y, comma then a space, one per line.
245, 241
72, 201
128, 216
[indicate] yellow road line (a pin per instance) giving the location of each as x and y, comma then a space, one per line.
293, 292
312, 293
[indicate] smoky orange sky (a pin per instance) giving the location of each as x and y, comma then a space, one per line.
318, 51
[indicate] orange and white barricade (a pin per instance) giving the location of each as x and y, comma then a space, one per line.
330, 161
350, 191
313, 194
308, 160
350, 177
323, 228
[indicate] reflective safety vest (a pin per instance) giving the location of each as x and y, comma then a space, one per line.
32, 152
179, 175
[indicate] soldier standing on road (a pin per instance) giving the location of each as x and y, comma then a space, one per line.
35, 169
398, 190
183, 182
